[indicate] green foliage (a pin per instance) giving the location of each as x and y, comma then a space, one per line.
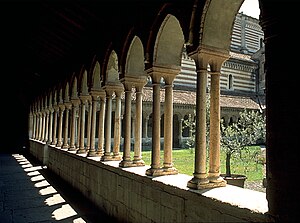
237, 137
250, 129
183, 160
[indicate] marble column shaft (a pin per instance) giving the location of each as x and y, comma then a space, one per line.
92, 151
66, 127
54, 139
75, 107
117, 127
168, 125
82, 127
127, 128
88, 125
50, 131
214, 145
138, 127
101, 126
107, 153
60, 125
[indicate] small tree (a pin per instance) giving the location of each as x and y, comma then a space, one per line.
238, 136
248, 130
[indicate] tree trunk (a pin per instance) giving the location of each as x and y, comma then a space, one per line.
228, 170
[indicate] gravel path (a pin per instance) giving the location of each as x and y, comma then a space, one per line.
255, 185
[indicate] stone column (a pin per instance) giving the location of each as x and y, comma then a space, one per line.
155, 152
77, 126
68, 106
101, 125
137, 159
214, 145
168, 127
60, 125
107, 154
40, 124
47, 112
75, 107
117, 124
50, 131
46, 120
37, 129
126, 161
89, 124
81, 139
55, 114
200, 181
43, 125
36, 125
34, 122
30, 125
95, 99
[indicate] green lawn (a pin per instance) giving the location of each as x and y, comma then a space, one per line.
184, 161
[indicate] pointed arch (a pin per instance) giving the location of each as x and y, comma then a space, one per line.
74, 90
169, 42
83, 85
96, 77
112, 68
134, 65
67, 92
216, 28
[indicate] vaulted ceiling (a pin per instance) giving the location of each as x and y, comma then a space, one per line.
44, 41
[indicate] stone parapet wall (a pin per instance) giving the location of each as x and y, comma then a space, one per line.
130, 196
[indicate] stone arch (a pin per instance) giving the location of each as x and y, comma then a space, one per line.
169, 43
134, 65
216, 27
112, 68
74, 87
96, 77
66, 92
83, 83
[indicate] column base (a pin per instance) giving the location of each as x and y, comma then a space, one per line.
204, 183
81, 151
170, 170
154, 172
138, 162
108, 157
117, 157
161, 171
65, 147
100, 152
129, 163
126, 163
216, 179
72, 148
92, 153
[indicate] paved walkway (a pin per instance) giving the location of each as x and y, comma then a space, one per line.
29, 193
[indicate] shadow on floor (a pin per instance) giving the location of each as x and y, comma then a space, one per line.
31, 193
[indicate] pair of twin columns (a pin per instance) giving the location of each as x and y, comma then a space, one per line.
204, 58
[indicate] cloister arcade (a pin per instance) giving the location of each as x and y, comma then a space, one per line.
76, 116
46, 126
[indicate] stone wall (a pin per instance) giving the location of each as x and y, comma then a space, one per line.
131, 196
